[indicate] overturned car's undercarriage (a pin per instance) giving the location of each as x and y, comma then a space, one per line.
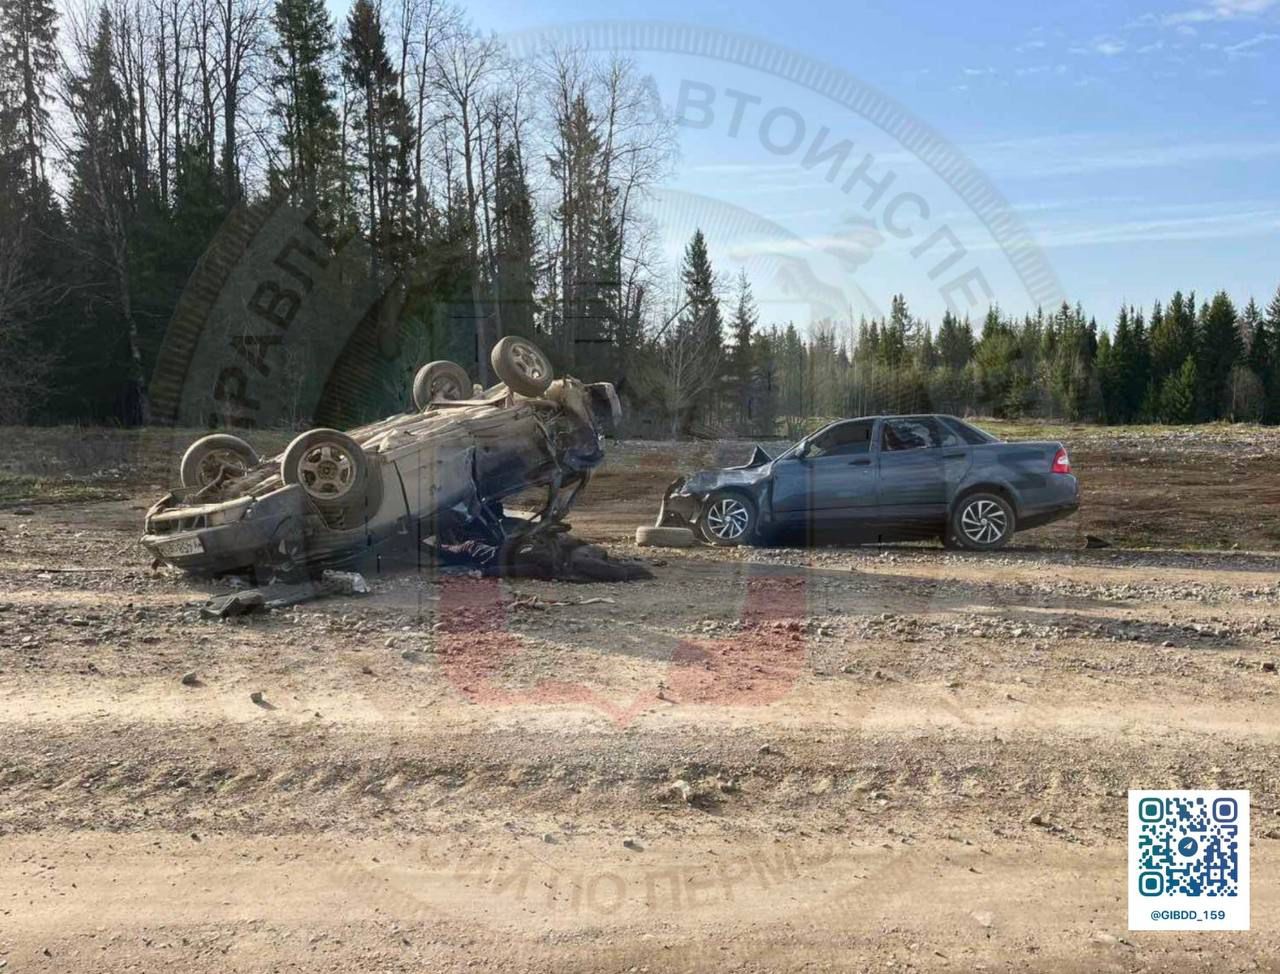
437, 475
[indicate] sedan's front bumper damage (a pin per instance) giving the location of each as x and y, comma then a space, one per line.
686, 498
679, 508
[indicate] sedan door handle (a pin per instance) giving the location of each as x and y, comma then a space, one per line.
953, 456
864, 462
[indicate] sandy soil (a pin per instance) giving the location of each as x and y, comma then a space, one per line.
761, 760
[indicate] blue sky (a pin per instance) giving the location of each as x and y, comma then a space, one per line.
1139, 143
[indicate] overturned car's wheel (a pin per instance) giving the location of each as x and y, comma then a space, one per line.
331, 467
728, 519
982, 522
219, 456
521, 366
440, 380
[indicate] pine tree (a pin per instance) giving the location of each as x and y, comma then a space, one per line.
1178, 394
1217, 352
1002, 382
764, 353
381, 124
897, 334
1173, 336
955, 342
1140, 380
102, 210
702, 312
1069, 360
741, 370
1250, 321
926, 350
1256, 336
28, 57
303, 99
575, 164
1266, 352
791, 369
35, 273
1122, 385
515, 247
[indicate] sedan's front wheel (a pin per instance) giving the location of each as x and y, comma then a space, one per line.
728, 519
982, 522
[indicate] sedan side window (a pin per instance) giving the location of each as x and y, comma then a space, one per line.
912, 434
844, 440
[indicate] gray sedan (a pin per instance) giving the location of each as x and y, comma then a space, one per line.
882, 478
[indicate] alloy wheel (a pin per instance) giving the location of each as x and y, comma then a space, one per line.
984, 522
327, 472
728, 518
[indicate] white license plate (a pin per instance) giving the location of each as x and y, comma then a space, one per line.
183, 546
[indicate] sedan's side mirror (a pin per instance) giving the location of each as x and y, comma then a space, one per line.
803, 452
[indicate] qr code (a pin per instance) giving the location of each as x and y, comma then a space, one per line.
1189, 846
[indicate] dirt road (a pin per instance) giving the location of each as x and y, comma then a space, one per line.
848, 759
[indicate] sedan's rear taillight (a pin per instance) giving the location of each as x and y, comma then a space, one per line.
1060, 462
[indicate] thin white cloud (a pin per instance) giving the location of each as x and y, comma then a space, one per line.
1220, 10
1246, 48
1083, 153
1192, 222
1013, 160
1106, 46
1219, 226
1035, 69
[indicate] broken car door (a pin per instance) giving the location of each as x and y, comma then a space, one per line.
913, 470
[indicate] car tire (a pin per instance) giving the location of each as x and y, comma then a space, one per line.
214, 456
982, 522
441, 380
521, 366
332, 470
650, 537
728, 519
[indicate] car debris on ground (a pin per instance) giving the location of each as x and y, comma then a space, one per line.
279, 595
552, 554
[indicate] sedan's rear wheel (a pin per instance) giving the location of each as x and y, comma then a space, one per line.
982, 522
728, 519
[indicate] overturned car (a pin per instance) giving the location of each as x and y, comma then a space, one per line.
333, 498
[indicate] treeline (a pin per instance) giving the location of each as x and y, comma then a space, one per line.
505, 195
1183, 362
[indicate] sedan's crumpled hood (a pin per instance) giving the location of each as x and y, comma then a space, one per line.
758, 459
752, 472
